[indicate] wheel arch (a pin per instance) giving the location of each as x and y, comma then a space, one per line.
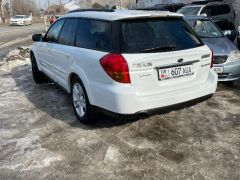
84, 82
34, 53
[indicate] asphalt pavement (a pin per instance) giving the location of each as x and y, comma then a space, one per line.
13, 36
40, 137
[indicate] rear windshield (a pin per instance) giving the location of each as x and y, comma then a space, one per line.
189, 11
19, 17
157, 35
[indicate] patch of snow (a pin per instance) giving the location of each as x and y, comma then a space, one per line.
14, 52
19, 55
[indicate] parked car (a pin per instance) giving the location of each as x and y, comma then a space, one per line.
238, 37
174, 7
20, 20
124, 62
219, 9
226, 55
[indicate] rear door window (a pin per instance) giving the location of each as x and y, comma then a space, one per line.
53, 34
93, 34
68, 32
157, 35
217, 10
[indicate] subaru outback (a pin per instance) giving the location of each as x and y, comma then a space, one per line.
124, 61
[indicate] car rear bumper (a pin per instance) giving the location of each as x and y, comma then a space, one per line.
231, 71
159, 110
16, 23
123, 99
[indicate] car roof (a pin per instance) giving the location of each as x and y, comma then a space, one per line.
207, 4
162, 6
214, 19
194, 5
196, 18
122, 14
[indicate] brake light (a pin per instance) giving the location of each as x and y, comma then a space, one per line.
211, 59
116, 67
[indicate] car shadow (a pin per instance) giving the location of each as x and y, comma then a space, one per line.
56, 102
230, 85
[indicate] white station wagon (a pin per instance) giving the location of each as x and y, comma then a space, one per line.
123, 62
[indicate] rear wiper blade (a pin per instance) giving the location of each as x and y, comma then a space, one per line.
160, 48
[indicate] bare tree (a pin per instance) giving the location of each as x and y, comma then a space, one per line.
97, 6
110, 3
2, 11
24, 7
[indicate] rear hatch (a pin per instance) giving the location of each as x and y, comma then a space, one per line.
163, 55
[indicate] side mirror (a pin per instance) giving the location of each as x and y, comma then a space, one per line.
204, 14
37, 37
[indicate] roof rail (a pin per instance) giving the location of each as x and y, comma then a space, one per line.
201, 2
169, 4
99, 10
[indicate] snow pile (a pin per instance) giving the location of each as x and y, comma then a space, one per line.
72, 5
21, 53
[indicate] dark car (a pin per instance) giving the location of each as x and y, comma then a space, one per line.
165, 7
226, 55
213, 9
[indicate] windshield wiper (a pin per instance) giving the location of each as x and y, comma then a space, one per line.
159, 49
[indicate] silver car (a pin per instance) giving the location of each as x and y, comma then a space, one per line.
226, 61
209, 8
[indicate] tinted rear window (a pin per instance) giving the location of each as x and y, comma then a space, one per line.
157, 35
220, 9
93, 34
67, 35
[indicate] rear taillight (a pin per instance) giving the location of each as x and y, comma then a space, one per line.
211, 59
116, 67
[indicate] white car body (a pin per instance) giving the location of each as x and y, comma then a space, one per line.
20, 20
145, 92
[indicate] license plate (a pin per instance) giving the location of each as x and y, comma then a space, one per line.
175, 72
218, 70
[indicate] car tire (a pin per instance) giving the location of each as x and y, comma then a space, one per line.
82, 108
38, 76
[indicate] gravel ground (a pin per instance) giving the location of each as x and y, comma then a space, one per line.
40, 137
